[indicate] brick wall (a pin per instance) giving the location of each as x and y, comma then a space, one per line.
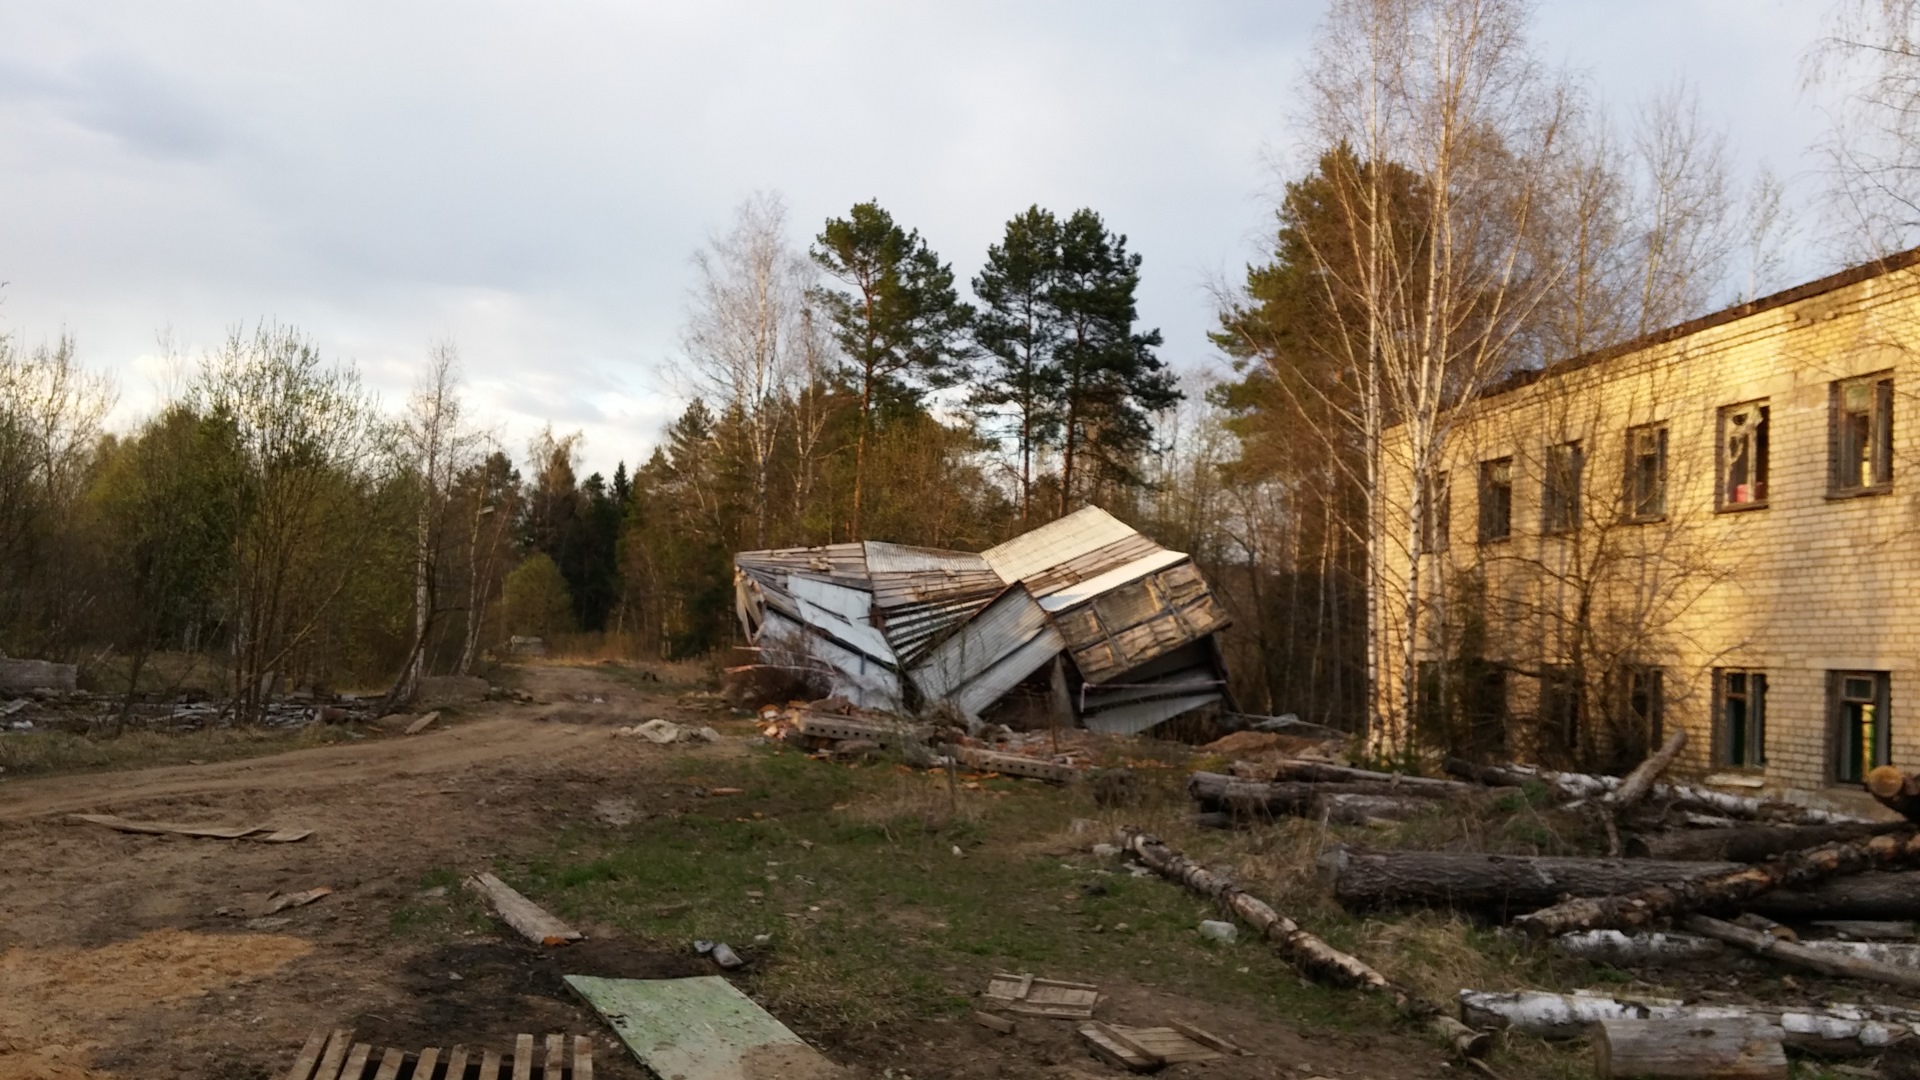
1807, 585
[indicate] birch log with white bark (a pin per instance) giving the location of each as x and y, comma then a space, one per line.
1805, 955
1837, 1030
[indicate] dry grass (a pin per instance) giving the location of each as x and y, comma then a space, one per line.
44, 752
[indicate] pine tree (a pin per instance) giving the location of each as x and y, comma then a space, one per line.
1019, 328
1109, 376
899, 322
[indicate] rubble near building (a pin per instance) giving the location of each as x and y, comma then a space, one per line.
1081, 621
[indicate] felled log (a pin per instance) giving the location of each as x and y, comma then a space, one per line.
1872, 895
1320, 772
1215, 791
1640, 780
1730, 1049
1492, 884
1896, 791
1637, 950
1631, 910
1838, 1030
1749, 843
1582, 786
1354, 808
1824, 961
1297, 946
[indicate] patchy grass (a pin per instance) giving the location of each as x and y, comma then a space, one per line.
44, 753
441, 910
886, 895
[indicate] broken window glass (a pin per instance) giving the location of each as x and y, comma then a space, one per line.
1646, 484
1743, 455
1862, 434
1862, 740
1496, 499
1560, 495
1743, 714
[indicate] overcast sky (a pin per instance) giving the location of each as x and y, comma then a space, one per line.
530, 180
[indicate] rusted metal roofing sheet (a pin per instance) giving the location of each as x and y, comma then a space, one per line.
1056, 543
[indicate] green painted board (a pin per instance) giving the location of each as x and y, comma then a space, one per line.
700, 1029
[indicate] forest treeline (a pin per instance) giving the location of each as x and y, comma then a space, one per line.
277, 523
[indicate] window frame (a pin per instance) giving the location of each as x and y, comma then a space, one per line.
1760, 451
1487, 486
1560, 510
1633, 509
1879, 437
1839, 696
1753, 695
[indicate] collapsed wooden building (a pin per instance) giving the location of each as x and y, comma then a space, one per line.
1082, 620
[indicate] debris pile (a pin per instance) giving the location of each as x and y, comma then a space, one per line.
1082, 621
1715, 879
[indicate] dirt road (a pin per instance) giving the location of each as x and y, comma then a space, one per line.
137, 956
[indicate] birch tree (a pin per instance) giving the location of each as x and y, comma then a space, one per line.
1446, 90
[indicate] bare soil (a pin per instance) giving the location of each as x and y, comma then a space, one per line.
125, 956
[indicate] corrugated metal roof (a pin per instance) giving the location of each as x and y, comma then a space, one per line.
1136, 718
1083, 591
1056, 542
989, 637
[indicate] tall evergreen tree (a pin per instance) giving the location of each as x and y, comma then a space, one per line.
899, 321
1019, 328
1110, 378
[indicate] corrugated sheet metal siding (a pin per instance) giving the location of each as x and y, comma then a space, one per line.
1055, 543
1004, 626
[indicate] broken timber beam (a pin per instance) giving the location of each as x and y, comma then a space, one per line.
530, 919
1296, 945
1731, 890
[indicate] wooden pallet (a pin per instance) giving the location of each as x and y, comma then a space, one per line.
335, 1056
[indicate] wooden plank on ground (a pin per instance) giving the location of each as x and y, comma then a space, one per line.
336, 1053
390, 1063
1169, 1045
700, 1029
555, 1057
309, 1057
523, 1057
530, 919
1204, 1037
163, 828
421, 724
1029, 996
582, 1058
356, 1064
429, 1061
457, 1063
1118, 1050
489, 1065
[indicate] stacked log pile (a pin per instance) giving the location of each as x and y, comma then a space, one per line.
1709, 875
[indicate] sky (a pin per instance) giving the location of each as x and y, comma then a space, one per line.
530, 181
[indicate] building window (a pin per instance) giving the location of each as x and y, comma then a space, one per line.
1743, 456
1646, 484
1740, 705
1560, 705
1861, 737
1560, 493
1862, 411
1496, 499
1436, 512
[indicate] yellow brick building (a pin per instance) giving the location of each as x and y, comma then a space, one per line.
1715, 527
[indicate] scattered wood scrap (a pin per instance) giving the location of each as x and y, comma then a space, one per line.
530, 919
335, 1056
1030, 996
265, 834
292, 900
423, 723
1728, 1049
700, 1029
1144, 1049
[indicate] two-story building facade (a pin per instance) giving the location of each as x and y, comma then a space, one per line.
1715, 527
